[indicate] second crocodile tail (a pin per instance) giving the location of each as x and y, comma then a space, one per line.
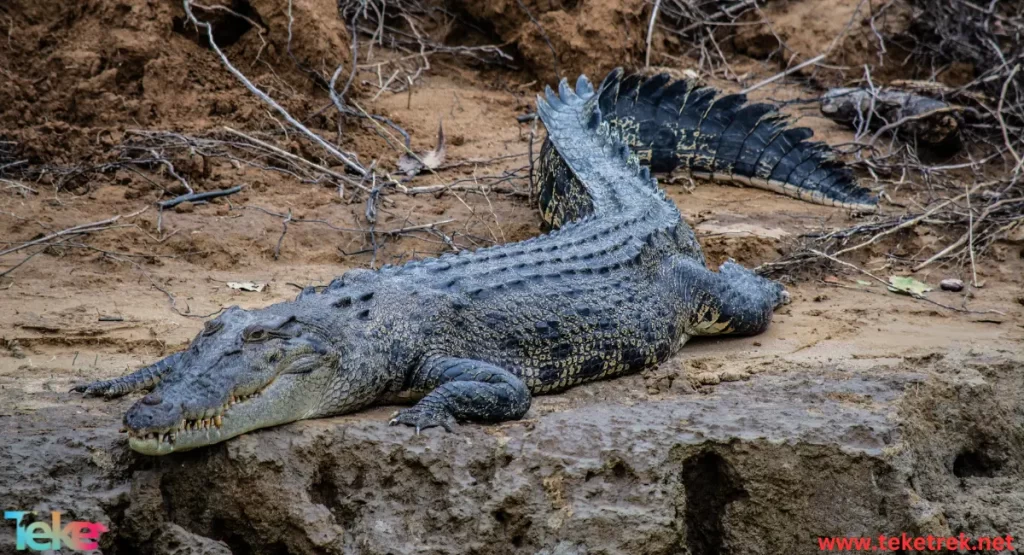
678, 124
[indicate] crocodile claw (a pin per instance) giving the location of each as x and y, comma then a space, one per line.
423, 418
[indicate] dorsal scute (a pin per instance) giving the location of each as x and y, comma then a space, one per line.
566, 93
583, 86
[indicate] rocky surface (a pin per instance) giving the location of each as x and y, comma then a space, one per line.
765, 464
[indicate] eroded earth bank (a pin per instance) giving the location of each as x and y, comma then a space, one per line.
860, 412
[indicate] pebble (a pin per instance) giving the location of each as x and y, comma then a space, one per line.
951, 285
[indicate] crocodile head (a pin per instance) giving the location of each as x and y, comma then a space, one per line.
245, 370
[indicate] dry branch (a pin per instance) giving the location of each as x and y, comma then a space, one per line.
80, 229
197, 197
345, 159
294, 158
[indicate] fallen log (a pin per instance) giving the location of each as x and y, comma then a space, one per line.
913, 116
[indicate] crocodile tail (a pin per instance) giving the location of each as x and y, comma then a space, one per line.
561, 194
679, 124
587, 171
585, 166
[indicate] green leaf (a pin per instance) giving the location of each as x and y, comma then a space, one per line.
908, 286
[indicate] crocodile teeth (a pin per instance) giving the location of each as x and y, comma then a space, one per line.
218, 420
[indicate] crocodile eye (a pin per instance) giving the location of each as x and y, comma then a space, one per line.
212, 327
255, 335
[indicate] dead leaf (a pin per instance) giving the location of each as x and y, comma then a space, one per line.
831, 279
908, 286
411, 165
247, 286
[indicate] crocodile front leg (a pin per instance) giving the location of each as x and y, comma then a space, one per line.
464, 389
144, 378
733, 300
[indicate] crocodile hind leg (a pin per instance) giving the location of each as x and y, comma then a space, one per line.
464, 389
733, 300
144, 378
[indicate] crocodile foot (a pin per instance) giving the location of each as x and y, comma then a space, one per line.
423, 417
143, 378
105, 388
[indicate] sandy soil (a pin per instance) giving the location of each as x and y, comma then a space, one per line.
79, 78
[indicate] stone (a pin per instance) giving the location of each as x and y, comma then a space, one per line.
951, 285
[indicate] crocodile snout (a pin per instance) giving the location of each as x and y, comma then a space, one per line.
153, 413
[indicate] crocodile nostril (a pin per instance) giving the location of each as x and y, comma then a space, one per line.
152, 399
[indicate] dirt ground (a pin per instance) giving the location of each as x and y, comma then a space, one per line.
78, 79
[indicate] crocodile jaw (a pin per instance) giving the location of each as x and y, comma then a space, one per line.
284, 400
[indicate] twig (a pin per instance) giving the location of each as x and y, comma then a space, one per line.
78, 229
901, 121
911, 221
23, 261
717, 15
778, 76
910, 293
294, 158
650, 33
420, 227
171, 170
1002, 122
196, 197
543, 35
170, 296
17, 185
965, 238
846, 29
970, 238
284, 230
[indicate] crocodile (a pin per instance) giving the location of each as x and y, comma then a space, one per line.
617, 285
